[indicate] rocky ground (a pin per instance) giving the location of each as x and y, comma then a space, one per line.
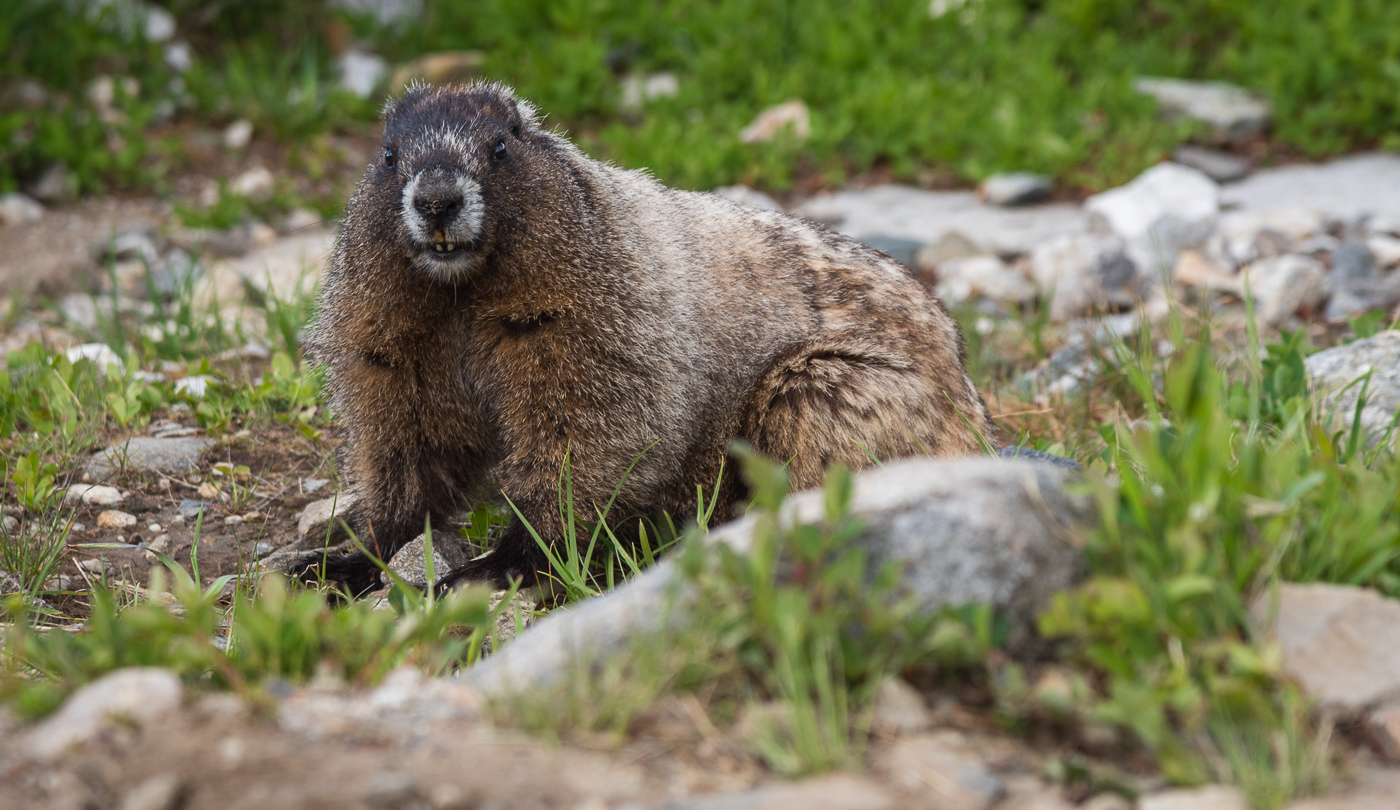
1313, 244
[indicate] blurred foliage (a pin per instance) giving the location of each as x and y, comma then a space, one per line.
990, 85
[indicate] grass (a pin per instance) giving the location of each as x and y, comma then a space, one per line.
1216, 477
993, 85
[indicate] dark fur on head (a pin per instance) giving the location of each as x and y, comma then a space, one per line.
498, 300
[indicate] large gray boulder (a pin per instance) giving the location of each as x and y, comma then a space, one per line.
972, 530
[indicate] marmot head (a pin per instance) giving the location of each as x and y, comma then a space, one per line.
455, 160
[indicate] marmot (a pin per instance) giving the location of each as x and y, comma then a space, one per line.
497, 300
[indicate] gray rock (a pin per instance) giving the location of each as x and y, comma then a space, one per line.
19, 209
1210, 797
925, 216
391, 13
1165, 209
9, 523
361, 72
450, 550
1233, 112
173, 273
1040, 456
147, 454
127, 246
834, 791
982, 276
1332, 373
317, 517
971, 530
1015, 188
1356, 286
128, 695
1345, 189
1283, 285
941, 767
1083, 273
1340, 643
55, 185
1222, 167
753, 198
898, 248
164, 792
190, 510
1352, 262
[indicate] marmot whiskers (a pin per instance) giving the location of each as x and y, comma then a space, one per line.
498, 300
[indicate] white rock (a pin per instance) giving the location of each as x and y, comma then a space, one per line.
637, 90
1232, 111
139, 694
238, 134
1285, 284
178, 56
1210, 797
99, 354
927, 216
1346, 189
1015, 188
164, 792
19, 209
1167, 208
361, 72
961, 279
1386, 250
1083, 272
1241, 229
93, 495
115, 519
753, 198
194, 386
899, 708
791, 115
9, 523
159, 25
256, 183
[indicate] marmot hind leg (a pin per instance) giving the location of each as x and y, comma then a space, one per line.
820, 404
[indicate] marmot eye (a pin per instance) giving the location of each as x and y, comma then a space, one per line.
389, 158
499, 154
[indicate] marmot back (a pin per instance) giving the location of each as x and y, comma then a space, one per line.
497, 301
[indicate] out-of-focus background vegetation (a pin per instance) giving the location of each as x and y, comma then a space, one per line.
939, 92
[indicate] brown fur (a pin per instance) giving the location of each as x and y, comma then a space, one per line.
598, 314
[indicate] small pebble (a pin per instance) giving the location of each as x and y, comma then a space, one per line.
93, 566
262, 550
154, 528
9, 524
78, 527
252, 516
233, 520
178, 520
115, 519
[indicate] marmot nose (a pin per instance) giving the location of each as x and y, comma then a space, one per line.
438, 209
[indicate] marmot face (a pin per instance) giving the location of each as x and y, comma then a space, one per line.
451, 157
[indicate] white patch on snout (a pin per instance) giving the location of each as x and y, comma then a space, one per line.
464, 229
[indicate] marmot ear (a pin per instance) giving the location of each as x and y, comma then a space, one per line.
525, 116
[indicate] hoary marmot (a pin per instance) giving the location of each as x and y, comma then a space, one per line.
497, 300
